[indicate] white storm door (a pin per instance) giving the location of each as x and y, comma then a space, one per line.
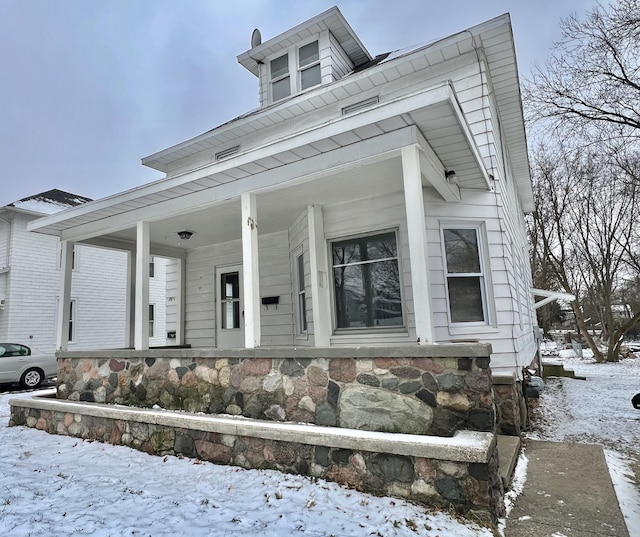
229, 307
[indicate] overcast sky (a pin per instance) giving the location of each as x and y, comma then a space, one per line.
89, 87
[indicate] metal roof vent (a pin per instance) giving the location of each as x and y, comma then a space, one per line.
360, 105
227, 152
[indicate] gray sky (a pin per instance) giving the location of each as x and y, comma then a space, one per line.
89, 87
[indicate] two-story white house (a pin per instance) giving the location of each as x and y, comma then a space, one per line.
30, 283
370, 201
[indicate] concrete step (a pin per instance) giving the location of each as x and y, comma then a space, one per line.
508, 452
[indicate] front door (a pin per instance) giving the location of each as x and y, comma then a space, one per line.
229, 307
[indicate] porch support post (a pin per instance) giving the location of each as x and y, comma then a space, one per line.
320, 297
250, 272
180, 282
64, 297
417, 231
131, 293
141, 331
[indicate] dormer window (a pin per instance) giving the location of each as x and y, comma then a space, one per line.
280, 79
309, 65
305, 61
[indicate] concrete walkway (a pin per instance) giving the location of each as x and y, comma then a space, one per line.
568, 493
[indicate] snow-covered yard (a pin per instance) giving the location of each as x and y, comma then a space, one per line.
55, 485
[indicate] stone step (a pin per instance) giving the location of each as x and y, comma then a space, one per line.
508, 453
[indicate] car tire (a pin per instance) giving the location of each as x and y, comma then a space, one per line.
31, 378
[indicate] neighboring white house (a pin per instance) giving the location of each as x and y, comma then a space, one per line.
369, 201
30, 283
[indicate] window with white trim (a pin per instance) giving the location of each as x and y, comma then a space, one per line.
72, 321
152, 267
366, 282
465, 275
303, 62
301, 303
152, 320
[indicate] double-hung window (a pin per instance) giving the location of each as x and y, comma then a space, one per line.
280, 79
152, 320
301, 295
465, 274
309, 65
295, 71
366, 280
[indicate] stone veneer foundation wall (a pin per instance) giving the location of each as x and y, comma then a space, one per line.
432, 390
462, 473
511, 406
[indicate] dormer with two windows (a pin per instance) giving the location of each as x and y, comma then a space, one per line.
315, 53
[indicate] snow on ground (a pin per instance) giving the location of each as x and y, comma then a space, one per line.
598, 410
56, 485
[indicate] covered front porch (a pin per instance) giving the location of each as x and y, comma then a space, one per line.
254, 266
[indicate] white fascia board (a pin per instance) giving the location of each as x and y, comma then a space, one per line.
352, 156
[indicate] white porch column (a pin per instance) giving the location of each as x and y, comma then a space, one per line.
64, 297
180, 282
130, 328
250, 272
320, 296
417, 230
141, 331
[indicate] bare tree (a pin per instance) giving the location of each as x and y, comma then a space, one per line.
585, 231
592, 78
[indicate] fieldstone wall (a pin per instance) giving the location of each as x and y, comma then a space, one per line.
367, 389
510, 404
468, 487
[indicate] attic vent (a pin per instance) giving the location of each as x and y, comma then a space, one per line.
360, 105
227, 152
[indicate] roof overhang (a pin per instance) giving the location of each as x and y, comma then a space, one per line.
322, 150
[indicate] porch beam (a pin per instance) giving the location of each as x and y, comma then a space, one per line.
319, 279
64, 297
434, 171
417, 231
141, 337
250, 272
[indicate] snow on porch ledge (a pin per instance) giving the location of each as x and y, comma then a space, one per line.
464, 446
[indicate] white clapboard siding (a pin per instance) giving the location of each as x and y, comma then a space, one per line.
32, 288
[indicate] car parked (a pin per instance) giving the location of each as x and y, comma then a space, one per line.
19, 365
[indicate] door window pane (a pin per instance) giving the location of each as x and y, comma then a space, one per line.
230, 300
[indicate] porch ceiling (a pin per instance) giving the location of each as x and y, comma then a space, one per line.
333, 162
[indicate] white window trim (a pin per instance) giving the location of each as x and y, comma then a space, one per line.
295, 71
369, 331
301, 333
486, 288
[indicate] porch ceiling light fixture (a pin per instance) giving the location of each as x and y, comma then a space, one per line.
451, 176
185, 235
